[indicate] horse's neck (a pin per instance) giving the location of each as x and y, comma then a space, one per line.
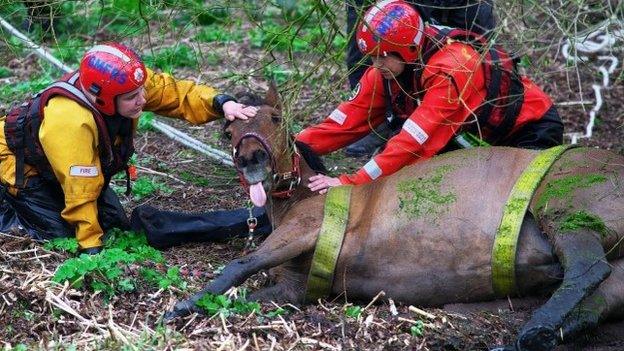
278, 207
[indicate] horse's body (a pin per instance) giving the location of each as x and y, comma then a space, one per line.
425, 234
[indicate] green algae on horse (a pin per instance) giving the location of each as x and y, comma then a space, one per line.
446, 259
424, 196
583, 219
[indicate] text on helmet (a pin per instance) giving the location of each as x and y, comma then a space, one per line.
389, 20
106, 68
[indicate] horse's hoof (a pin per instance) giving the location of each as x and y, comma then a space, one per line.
540, 338
181, 309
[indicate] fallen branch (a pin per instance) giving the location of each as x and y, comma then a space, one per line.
151, 171
421, 312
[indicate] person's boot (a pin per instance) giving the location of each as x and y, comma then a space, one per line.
370, 144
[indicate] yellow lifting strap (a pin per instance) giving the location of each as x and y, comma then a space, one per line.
329, 242
506, 241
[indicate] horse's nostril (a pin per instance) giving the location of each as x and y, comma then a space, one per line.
260, 156
242, 163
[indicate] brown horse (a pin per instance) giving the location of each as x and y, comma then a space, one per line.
425, 234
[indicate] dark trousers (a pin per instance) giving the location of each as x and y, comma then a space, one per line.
541, 134
477, 16
36, 211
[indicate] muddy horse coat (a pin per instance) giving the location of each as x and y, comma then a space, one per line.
425, 234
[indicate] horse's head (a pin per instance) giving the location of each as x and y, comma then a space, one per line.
262, 151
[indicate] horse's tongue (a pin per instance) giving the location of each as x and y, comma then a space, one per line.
257, 194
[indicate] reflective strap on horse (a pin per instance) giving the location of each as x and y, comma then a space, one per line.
506, 241
329, 242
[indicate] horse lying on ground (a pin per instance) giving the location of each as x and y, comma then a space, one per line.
425, 234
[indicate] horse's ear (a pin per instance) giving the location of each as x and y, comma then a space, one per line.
272, 97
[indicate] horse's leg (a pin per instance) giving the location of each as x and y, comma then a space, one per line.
606, 302
275, 250
583, 259
290, 280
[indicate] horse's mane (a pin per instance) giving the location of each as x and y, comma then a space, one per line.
250, 99
314, 161
246, 98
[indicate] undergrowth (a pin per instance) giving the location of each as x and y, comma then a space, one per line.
126, 263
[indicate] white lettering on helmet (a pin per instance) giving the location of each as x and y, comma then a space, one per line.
338, 116
110, 50
415, 131
372, 169
375, 9
83, 171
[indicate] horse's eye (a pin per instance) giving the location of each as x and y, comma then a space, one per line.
276, 118
228, 135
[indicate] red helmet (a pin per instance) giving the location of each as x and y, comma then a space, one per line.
391, 26
109, 70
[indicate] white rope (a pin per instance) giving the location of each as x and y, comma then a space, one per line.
169, 131
193, 143
38, 49
576, 49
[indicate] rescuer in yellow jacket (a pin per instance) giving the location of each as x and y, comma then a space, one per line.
59, 150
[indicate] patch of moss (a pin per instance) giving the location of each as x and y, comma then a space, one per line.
583, 220
563, 188
424, 196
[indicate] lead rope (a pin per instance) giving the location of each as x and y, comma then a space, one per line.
252, 222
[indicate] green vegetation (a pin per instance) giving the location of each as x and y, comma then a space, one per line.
218, 34
353, 311
563, 188
424, 196
144, 186
145, 122
62, 244
19, 91
4, 72
418, 329
124, 264
583, 220
193, 178
213, 304
172, 57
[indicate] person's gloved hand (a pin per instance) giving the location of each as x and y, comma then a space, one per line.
322, 183
233, 110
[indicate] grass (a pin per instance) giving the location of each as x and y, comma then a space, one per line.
169, 58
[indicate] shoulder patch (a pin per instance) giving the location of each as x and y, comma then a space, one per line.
83, 171
355, 91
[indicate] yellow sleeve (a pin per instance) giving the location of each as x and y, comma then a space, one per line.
69, 138
179, 98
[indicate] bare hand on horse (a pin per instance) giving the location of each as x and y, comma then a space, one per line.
322, 183
233, 110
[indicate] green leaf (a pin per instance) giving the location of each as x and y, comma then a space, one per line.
5, 72
417, 329
353, 311
145, 122
276, 312
62, 244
